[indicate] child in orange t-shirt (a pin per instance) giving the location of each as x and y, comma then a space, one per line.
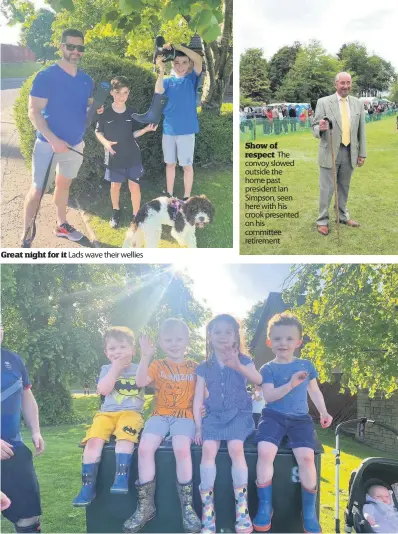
174, 381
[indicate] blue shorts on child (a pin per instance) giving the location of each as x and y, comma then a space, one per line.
274, 425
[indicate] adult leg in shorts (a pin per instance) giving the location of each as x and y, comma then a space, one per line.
182, 431
41, 157
154, 432
68, 165
19, 483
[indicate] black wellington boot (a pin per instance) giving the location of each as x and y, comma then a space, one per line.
154, 113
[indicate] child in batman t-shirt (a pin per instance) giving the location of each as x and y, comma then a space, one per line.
120, 415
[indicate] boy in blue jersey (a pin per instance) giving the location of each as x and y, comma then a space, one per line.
18, 477
180, 122
58, 103
286, 382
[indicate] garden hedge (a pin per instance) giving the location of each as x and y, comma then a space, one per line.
213, 144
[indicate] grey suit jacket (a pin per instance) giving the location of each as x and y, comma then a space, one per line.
328, 106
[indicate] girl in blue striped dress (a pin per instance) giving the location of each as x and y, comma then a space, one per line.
223, 376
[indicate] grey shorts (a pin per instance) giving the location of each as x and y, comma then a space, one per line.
178, 146
65, 163
161, 425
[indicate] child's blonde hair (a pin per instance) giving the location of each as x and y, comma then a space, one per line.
284, 319
173, 323
120, 333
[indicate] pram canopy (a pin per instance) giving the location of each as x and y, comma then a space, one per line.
383, 471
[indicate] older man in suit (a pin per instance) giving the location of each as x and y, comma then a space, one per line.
348, 117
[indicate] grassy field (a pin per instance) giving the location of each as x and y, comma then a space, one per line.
58, 471
372, 199
214, 182
19, 70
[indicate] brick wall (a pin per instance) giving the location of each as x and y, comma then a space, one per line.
384, 411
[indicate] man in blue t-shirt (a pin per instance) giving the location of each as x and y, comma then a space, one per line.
18, 477
58, 103
180, 115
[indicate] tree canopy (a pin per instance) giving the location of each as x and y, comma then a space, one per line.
54, 316
254, 79
36, 34
351, 317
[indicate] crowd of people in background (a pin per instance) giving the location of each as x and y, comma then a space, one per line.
282, 118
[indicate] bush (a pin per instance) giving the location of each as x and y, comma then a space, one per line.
55, 405
214, 143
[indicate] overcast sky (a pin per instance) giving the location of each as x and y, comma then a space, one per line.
271, 24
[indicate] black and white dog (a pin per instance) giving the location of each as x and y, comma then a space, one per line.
183, 216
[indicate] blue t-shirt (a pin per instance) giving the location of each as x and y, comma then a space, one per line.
279, 374
14, 379
180, 113
66, 109
226, 387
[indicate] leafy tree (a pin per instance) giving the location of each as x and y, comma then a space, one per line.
139, 22
311, 77
373, 74
254, 80
54, 316
16, 11
36, 34
351, 317
251, 321
393, 96
280, 64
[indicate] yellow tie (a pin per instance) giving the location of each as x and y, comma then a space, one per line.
345, 123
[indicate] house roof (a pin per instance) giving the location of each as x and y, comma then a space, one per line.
274, 304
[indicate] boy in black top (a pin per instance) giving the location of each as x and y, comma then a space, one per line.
117, 132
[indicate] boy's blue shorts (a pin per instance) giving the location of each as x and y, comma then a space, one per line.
121, 175
273, 426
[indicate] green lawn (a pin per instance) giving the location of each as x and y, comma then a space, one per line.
372, 199
19, 70
215, 182
58, 471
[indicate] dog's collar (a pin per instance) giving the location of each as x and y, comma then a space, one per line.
176, 206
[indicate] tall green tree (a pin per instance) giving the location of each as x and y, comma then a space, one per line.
373, 74
54, 316
351, 317
311, 77
177, 20
280, 64
36, 34
393, 96
251, 321
254, 79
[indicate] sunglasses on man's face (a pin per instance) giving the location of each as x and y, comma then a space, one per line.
71, 47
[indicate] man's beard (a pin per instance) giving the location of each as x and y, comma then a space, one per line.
67, 57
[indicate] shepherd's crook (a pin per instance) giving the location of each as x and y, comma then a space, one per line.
336, 198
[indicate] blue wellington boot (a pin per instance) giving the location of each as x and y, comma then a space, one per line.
154, 113
262, 521
121, 483
310, 520
87, 492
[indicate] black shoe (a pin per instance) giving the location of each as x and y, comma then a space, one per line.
114, 222
167, 194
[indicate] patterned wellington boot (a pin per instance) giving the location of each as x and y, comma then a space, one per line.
87, 492
121, 483
146, 509
208, 513
243, 522
262, 521
190, 520
310, 520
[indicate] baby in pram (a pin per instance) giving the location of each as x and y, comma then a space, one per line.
379, 510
